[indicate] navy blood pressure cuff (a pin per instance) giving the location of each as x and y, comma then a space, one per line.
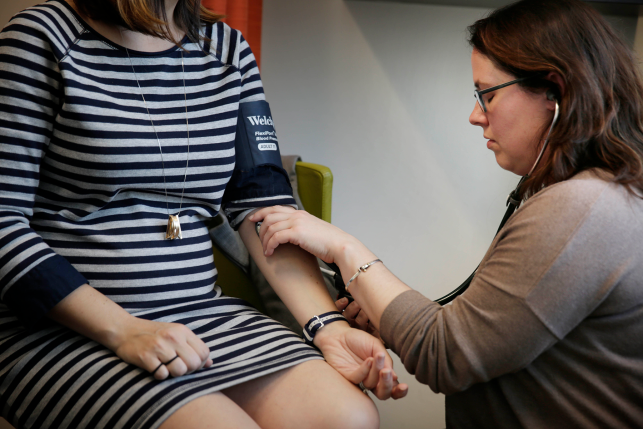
258, 179
256, 141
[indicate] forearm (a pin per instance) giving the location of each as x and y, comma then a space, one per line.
294, 275
373, 289
92, 314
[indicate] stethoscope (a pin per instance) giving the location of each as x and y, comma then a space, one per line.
513, 201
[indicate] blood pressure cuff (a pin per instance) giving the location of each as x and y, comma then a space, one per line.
259, 179
256, 142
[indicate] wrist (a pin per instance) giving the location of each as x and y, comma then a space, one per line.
116, 333
328, 332
353, 254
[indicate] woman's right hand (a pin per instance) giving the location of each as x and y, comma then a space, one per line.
282, 225
148, 344
143, 343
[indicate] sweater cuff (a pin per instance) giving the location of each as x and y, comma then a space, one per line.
39, 290
393, 319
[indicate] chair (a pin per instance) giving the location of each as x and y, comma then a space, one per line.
314, 185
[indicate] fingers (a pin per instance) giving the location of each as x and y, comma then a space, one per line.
177, 351
385, 385
388, 386
202, 350
261, 214
382, 380
400, 391
361, 321
341, 304
356, 317
278, 228
273, 223
372, 378
363, 370
279, 237
159, 368
351, 311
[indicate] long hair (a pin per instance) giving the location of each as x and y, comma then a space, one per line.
149, 16
601, 110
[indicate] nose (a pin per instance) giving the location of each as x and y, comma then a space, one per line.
478, 117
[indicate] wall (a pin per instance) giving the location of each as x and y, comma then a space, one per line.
8, 8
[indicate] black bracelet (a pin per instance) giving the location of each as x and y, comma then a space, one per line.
318, 322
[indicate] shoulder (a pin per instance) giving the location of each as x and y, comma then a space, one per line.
52, 26
590, 197
227, 44
583, 191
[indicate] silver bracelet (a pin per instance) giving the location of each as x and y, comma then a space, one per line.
361, 270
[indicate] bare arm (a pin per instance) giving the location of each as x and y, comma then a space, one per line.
374, 289
295, 276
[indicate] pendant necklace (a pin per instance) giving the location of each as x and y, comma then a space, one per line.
173, 225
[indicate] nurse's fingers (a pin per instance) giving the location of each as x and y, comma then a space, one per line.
362, 321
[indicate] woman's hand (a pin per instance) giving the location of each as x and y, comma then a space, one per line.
356, 317
148, 344
360, 357
144, 343
282, 225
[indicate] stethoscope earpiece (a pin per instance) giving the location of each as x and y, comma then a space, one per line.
551, 96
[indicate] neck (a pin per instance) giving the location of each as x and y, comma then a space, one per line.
133, 40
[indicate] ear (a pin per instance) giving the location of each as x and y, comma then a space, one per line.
554, 97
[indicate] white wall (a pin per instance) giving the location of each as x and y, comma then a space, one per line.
381, 93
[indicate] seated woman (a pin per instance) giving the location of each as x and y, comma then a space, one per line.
121, 134
548, 334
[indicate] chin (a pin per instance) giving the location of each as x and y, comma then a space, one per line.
506, 165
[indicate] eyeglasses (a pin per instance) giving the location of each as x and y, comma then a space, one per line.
478, 94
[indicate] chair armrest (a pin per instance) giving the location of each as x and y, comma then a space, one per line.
315, 187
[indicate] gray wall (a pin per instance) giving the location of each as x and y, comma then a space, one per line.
381, 93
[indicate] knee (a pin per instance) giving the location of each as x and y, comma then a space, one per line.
359, 412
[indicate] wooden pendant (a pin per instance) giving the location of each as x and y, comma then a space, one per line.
173, 228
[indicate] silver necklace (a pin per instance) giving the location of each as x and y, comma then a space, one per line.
173, 224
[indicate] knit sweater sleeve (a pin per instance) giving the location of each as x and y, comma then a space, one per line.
549, 268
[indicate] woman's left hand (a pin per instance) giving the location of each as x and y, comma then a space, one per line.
360, 357
356, 317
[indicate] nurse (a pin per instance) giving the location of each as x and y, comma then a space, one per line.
549, 333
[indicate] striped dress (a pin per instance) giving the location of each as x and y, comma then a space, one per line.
82, 200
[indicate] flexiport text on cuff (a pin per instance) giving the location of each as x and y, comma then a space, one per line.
318, 322
360, 270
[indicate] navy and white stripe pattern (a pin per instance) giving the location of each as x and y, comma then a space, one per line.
82, 199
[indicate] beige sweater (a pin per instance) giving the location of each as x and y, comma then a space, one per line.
550, 332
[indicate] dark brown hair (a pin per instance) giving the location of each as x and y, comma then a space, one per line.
601, 110
149, 16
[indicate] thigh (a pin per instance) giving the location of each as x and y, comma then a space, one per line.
310, 395
210, 411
